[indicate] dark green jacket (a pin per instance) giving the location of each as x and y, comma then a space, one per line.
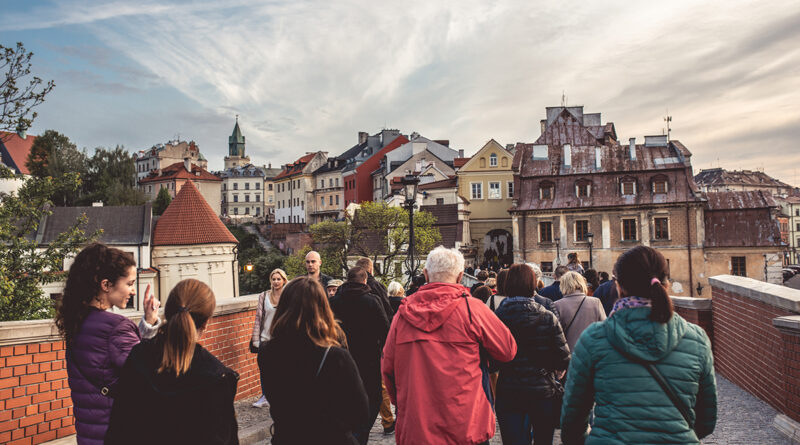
630, 405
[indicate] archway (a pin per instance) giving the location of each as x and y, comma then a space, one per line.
497, 249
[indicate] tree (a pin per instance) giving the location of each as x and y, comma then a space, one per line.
378, 231
112, 178
295, 264
53, 154
162, 201
19, 93
25, 266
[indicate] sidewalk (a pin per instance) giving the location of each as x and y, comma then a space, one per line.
742, 419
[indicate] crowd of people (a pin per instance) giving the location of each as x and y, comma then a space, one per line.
603, 362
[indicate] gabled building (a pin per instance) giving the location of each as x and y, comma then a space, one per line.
721, 180
242, 192
14, 151
294, 189
487, 181
161, 155
357, 173
175, 176
576, 179
328, 190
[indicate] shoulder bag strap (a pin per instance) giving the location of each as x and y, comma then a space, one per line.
324, 356
673, 397
104, 390
574, 315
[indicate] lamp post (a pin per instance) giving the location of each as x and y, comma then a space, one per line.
558, 251
410, 183
590, 239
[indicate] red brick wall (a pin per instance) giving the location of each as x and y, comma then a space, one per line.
701, 318
748, 350
791, 372
35, 403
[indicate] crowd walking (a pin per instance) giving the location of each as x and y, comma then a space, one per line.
618, 367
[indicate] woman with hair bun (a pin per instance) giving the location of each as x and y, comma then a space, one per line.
649, 373
172, 390
98, 341
307, 374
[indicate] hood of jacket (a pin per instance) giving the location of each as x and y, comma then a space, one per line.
349, 288
631, 332
429, 307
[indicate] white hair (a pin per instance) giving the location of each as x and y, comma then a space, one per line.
536, 270
395, 289
444, 265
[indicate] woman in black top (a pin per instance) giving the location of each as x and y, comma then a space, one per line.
310, 380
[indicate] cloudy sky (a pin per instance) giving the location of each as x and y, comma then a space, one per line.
308, 75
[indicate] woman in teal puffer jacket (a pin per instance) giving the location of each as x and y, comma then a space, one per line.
608, 367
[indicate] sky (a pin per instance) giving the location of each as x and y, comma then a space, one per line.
307, 75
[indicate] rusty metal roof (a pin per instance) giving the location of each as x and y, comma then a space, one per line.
756, 199
741, 219
722, 177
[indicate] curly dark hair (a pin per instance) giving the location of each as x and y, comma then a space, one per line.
95, 263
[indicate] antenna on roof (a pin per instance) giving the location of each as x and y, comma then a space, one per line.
668, 120
563, 99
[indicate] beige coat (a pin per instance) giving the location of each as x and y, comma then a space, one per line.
590, 312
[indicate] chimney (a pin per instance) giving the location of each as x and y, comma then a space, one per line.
567, 155
598, 158
633, 149
22, 133
187, 164
461, 153
362, 137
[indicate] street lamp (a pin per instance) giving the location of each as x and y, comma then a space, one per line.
410, 183
590, 239
248, 267
558, 251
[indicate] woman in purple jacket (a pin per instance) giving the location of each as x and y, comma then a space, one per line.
98, 341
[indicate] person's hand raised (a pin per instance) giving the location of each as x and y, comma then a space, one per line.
151, 305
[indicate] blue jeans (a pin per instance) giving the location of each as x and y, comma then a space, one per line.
518, 419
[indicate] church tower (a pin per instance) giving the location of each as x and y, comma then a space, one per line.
236, 156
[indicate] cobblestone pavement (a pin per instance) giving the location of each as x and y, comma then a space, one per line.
743, 420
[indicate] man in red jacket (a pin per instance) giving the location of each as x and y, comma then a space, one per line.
431, 360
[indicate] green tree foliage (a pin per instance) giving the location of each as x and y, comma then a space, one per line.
53, 154
19, 91
162, 201
378, 231
263, 260
295, 264
23, 267
112, 178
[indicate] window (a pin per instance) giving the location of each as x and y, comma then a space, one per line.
269, 187
247, 186
546, 232
477, 190
302, 205
337, 182
546, 190
628, 188
439, 201
629, 229
223, 186
330, 182
738, 266
247, 210
494, 190
236, 210
236, 186
583, 189
235, 197
246, 198
322, 183
798, 227
223, 197
510, 188
258, 198
660, 186
337, 200
661, 228
581, 229
493, 160
258, 211
547, 266
330, 200
258, 186
322, 201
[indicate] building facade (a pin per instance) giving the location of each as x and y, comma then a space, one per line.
294, 189
162, 155
175, 176
269, 191
487, 182
721, 180
357, 174
242, 192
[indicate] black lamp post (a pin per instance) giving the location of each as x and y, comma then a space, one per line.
558, 251
410, 183
590, 239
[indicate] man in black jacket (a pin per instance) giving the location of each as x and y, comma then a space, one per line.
376, 286
553, 291
482, 276
365, 325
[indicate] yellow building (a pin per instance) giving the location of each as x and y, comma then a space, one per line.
487, 182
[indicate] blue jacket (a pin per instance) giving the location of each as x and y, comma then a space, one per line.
552, 291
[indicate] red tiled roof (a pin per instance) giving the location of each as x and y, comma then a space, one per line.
190, 220
459, 162
178, 171
295, 167
18, 149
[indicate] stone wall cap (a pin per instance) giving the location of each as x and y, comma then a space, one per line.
790, 324
700, 304
773, 294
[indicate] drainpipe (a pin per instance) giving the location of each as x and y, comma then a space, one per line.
524, 238
234, 268
689, 236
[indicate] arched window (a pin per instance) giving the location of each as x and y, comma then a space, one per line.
493, 160
583, 188
660, 184
482, 162
546, 190
504, 162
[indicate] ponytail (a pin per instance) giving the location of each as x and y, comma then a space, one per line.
641, 272
189, 306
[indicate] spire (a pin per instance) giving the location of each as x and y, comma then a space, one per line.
236, 141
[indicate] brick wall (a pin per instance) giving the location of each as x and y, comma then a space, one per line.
35, 403
747, 348
697, 311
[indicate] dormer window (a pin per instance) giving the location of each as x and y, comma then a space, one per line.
493, 160
660, 185
628, 187
546, 190
583, 189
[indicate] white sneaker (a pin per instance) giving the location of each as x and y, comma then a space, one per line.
260, 403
